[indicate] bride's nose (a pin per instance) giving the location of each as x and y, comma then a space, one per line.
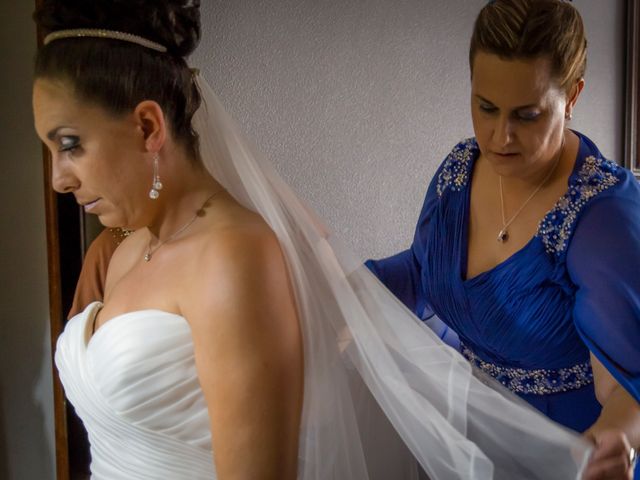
63, 180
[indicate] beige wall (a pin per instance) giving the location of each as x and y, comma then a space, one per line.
26, 402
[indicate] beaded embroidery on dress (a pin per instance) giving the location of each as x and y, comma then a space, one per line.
595, 176
456, 169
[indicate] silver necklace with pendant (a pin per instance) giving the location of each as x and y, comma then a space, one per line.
503, 235
199, 213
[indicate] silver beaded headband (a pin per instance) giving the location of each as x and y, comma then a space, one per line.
98, 33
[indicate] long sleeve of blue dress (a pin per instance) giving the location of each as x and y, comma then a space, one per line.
604, 264
402, 273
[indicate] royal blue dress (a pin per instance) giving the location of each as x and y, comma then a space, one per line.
532, 320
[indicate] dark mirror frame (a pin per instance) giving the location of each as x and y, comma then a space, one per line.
632, 94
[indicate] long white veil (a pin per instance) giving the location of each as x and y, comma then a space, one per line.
381, 391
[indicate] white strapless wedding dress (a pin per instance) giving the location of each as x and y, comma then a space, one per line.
134, 385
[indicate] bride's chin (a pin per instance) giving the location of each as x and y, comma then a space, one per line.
111, 221
108, 224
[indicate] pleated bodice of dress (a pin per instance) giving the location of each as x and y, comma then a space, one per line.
135, 387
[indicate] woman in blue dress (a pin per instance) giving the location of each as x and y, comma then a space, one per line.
528, 243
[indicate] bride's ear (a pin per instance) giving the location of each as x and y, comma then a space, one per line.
149, 119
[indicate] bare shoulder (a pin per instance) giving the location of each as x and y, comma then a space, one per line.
246, 242
250, 238
238, 270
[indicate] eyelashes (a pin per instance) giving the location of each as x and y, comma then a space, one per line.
69, 144
528, 116
488, 109
525, 116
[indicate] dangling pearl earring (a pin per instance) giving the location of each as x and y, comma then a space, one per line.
568, 116
154, 193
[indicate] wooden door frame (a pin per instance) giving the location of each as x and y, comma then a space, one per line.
632, 89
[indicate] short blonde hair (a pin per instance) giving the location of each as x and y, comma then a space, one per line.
527, 29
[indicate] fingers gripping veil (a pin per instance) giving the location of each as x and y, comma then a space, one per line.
381, 390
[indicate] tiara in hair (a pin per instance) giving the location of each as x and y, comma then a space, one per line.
99, 33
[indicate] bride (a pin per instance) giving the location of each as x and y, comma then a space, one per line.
237, 339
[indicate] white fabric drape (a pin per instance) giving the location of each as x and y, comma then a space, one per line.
381, 390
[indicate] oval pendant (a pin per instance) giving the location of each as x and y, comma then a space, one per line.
503, 236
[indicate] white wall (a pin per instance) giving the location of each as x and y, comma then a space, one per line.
26, 398
358, 101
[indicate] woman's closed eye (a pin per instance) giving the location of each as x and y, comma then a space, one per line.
488, 108
522, 115
69, 143
527, 115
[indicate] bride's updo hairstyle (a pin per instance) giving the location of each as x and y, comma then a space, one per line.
118, 75
528, 29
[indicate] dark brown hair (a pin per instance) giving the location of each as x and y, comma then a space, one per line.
527, 29
118, 75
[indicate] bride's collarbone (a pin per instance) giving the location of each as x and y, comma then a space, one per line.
166, 280
135, 284
133, 295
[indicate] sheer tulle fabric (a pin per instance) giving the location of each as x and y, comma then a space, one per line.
381, 390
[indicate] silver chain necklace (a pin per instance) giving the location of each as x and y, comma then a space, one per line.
199, 213
503, 235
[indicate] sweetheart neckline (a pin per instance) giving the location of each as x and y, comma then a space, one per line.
97, 306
